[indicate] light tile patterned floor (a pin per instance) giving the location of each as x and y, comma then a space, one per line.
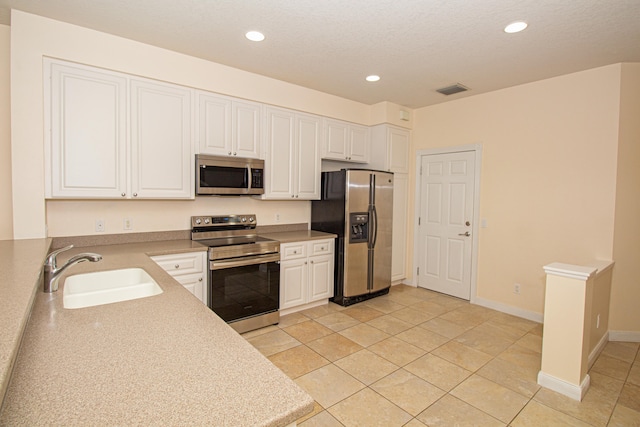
415, 358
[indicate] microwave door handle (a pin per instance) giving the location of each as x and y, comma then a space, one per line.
250, 180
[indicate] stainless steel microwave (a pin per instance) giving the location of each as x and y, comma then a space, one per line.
218, 175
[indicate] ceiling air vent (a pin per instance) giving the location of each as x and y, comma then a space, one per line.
453, 89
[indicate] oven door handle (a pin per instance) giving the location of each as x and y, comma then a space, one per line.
241, 262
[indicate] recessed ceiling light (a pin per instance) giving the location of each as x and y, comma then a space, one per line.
372, 78
515, 27
255, 36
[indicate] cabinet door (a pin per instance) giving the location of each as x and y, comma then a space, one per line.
293, 283
196, 284
358, 144
162, 154
399, 239
86, 110
280, 158
398, 150
309, 132
214, 124
335, 140
246, 129
320, 277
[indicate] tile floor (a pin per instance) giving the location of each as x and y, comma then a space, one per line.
415, 358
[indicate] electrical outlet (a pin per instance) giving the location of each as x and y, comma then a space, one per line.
100, 225
127, 224
516, 288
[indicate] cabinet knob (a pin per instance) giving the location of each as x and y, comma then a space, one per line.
229, 152
177, 266
296, 196
311, 262
322, 248
235, 154
292, 196
135, 194
295, 252
200, 279
305, 263
124, 194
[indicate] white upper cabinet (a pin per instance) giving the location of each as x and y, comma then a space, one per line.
292, 155
345, 141
390, 148
86, 148
161, 149
228, 126
99, 148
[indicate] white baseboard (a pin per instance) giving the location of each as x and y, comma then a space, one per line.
596, 351
515, 311
575, 392
626, 336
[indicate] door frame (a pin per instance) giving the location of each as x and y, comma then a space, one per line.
477, 148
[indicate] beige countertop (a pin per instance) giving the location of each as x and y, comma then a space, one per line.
20, 267
298, 236
161, 360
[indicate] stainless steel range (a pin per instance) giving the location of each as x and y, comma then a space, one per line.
244, 270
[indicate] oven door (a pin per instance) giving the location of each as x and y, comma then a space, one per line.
244, 287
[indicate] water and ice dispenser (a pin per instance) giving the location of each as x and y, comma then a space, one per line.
358, 227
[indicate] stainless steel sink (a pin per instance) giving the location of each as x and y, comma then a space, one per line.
107, 287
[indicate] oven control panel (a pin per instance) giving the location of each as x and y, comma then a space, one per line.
223, 220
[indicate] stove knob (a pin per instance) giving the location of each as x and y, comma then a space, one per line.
198, 221
207, 220
251, 219
243, 219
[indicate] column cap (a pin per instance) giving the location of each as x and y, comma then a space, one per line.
571, 271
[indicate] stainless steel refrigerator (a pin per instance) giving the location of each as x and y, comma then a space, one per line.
357, 205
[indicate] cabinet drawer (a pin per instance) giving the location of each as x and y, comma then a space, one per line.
321, 247
293, 251
177, 265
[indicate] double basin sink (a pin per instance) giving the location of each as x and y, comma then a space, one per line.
107, 287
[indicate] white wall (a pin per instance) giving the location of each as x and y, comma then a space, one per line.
34, 37
6, 203
548, 177
624, 316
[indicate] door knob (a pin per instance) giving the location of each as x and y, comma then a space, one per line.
465, 234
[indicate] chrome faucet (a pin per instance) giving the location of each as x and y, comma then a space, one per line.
52, 271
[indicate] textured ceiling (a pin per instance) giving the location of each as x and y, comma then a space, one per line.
416, 46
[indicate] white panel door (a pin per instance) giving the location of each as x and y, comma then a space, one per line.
335, 144
358, 143
447, 186
308, 158
246, 129
293, 281
161, 159
320, 277
88, 124
214, 124
280, 162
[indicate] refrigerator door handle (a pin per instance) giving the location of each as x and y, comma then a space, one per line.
374, 218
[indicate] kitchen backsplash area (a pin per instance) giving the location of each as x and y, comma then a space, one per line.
155, 236
81, 217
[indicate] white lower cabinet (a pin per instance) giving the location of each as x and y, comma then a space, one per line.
189, 269
306, 274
